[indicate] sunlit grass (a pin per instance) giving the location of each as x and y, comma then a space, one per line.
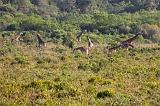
56, 76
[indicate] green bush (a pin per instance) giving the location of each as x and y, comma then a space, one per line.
44, 60
94, 79
20, 60
39, 84
106, 93
84, 67
91, 89
106, 82
95, 67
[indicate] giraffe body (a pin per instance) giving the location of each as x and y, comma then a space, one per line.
125, 44
85, 27
82, 49
129, 41
40, 41
17, 38
114, 49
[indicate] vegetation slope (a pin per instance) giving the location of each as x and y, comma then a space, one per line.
56, 76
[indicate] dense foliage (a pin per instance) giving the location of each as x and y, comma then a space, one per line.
63, 15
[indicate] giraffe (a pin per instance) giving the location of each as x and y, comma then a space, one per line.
83, 27
124, 44
82, 49
128, 43
18, 37
40, 41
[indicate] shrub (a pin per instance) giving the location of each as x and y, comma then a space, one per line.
153, 84
95, 67
67, 42
62, 94
149, 30
44, 60
20, 60
124, 29
84, 66
3, 26
57, 79
12, 27
7, 49
107, 82
72, 91
158, 73
94, 79
7, 8
90, 89
39, 84
106, 93
59, 86
156, 38
64, 89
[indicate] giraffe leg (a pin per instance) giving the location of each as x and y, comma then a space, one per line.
79, 36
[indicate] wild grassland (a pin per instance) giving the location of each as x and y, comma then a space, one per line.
56, 76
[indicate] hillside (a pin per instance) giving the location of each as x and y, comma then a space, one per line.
54, 75
111, 6
60, 16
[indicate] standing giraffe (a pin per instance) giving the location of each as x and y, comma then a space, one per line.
18, 37
40, 41
85, 27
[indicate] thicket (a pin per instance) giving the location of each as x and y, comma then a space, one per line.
57, 18
106, 24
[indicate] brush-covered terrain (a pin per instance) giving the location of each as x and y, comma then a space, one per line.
55, 76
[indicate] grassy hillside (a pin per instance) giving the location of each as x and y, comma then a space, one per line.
54, 75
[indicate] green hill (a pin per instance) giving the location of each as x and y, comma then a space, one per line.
54, 75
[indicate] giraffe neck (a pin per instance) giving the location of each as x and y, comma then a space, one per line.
39, 38
131, 39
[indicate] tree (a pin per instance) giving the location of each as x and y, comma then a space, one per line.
150, 5
23, 5
39, 2
65, 5
8, 1
83, 4
149, 30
